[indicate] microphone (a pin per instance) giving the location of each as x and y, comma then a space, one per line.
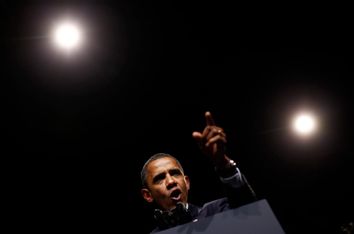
171, 218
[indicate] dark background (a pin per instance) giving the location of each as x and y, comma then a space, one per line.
76, 130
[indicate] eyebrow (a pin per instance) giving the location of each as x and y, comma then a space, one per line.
162, 174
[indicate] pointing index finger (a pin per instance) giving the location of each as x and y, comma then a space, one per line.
209, 119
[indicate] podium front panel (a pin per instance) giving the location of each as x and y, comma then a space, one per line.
253, 218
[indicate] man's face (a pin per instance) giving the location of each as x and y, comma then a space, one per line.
166, 183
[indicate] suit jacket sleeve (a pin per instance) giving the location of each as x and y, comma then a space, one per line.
241, 194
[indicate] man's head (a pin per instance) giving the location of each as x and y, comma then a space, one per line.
164, 182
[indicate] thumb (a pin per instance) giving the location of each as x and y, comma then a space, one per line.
197, 136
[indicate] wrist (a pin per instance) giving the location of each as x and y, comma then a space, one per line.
227, 168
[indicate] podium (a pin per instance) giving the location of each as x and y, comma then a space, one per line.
253, 218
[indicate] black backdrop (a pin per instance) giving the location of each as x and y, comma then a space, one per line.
76, 130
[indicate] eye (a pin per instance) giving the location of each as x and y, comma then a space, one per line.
157, 179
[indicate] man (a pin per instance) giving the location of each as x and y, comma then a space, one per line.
166, 186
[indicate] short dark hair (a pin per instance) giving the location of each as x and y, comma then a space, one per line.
153, 158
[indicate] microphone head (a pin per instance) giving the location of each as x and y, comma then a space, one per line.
180, 206
174, 217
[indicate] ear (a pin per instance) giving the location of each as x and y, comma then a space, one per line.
186, 178
147, 195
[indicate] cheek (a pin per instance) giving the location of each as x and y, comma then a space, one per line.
185, 188
159, 192
186, 184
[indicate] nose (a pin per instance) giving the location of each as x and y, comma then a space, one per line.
170, 181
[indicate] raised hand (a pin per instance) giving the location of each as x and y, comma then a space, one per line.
211, 140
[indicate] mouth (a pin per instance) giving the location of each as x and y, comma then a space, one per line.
176, 195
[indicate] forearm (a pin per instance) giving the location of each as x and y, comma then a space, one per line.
238, 190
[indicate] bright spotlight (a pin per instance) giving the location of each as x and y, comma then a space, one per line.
304, 124
67, 36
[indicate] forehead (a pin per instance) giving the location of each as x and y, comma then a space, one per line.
162, 164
